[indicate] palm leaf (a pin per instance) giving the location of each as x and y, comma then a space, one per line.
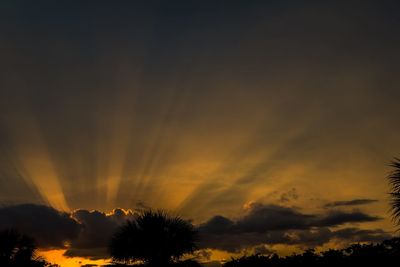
394, 181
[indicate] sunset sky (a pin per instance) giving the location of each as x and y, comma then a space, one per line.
269, 124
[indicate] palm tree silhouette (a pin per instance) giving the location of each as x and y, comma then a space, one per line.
394, 181
154, 237
17, 249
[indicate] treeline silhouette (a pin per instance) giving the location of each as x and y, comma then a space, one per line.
382, 254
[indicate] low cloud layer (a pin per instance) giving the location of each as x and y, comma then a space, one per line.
84, 233
49, 227
87, 232
271, 224
263, 218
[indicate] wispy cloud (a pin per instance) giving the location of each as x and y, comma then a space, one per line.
353, 202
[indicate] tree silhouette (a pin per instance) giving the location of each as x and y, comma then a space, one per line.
154, 237
18, 250
380, 254
394, 180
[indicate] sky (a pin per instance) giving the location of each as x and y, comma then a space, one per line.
269, 124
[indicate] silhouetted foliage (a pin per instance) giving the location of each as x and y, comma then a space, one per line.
154, 238
382, 254
18, 250
394, 180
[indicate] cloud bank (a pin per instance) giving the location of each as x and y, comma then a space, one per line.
272, 224
83, 233
86, 233
49, 227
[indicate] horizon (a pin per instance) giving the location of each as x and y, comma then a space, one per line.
269, 125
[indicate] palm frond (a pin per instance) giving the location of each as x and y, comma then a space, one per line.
154, 237
394, 181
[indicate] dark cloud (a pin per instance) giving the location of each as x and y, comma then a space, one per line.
354, 202
339, 217
362, 235
271, 224
88, 232
217, 224
96, 231
50, 228
263, 218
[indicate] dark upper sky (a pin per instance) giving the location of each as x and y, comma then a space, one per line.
204, 107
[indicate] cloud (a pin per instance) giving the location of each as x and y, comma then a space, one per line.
216, 225
339, 217
97, 229
354, 202
272, 224
263, 249
360, 235
263, 218
88, 232
50, 228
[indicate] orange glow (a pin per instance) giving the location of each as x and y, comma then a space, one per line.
57, 256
